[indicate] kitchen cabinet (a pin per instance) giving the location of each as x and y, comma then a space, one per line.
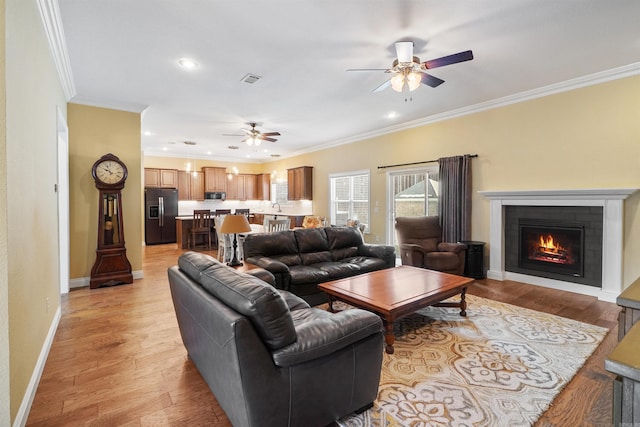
161, 178
242, 187
263, 183
215, 179
299, 183
190, 185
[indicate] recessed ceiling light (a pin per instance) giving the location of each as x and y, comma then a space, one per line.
392, 115
209, 153
165, 149
147, 133
188, 63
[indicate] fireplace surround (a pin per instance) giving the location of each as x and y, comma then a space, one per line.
610, 202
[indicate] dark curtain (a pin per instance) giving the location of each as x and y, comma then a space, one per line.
454, 202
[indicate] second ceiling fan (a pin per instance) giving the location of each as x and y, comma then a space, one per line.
255, 137
410, 72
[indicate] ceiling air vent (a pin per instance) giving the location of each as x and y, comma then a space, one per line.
233, 147
251, 78
189, 143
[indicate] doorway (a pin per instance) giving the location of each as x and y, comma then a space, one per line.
411, 192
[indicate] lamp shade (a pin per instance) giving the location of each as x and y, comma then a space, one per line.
233, 224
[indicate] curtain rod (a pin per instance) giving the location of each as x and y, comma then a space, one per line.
418, 163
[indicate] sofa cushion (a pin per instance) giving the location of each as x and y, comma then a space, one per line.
260, 302
366, 264
343, 237
192, 263
337, 270
279, 245
313, 245
301, 274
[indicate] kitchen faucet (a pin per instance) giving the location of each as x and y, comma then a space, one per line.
274, 205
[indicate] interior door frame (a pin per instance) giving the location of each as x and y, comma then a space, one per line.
62, 190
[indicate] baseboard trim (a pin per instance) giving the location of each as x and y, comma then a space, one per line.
84, 281
30, 394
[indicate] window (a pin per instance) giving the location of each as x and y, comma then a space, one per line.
279, 192
412, 193
349, 197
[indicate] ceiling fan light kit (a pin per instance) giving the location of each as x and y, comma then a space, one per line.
410, 72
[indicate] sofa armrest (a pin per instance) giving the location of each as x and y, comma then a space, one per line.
451, 247
385, 252
293, 301
268, 264
323, 336
412, 254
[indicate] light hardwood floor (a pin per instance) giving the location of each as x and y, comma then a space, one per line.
118, 360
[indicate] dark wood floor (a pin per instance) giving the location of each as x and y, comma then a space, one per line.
118, 360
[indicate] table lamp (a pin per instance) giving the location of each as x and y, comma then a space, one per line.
234, 224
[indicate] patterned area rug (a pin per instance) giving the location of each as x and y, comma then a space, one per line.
501, 366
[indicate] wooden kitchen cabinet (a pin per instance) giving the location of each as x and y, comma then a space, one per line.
242, 187
299, 183
215, 179
161, 178
190, 185
263, 183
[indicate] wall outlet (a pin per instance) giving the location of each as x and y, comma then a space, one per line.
377, 238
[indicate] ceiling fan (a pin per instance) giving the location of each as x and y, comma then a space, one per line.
255, 137
410, 72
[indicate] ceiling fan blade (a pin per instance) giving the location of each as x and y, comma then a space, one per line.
383, 86
467, 55
271, 134
429, 80
386, 70
404, 51
268, 139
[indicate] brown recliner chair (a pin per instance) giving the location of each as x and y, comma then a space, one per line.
420, 240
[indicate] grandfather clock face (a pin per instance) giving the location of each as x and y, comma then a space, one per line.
111, 266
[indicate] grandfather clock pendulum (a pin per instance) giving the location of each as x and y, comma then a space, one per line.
111, 266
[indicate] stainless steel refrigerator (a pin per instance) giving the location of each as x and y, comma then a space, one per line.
161, 210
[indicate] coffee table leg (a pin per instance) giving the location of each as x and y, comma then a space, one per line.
331, 304
389, 338
463, 303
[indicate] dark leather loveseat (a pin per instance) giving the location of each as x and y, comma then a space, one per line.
299, 259
269, 358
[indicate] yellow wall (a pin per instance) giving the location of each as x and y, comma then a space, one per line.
33, 96
585, 138
94, 132
5, 399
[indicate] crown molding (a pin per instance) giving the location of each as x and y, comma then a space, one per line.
132, 107
52, 24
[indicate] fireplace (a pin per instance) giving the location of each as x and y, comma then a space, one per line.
603, 247
551, 246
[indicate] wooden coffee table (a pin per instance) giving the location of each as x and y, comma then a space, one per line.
397, 292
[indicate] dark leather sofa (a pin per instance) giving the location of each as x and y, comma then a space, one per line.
301, 258
269, 358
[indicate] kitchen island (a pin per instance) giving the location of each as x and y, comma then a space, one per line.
184, 223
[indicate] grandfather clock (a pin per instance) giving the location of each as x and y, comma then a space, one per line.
112, 266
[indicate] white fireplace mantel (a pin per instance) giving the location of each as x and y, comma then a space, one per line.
612, 202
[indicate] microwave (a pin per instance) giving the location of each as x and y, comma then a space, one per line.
215, 195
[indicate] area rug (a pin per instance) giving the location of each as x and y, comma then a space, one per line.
501, 365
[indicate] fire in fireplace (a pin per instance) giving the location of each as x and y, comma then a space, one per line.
553, 247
